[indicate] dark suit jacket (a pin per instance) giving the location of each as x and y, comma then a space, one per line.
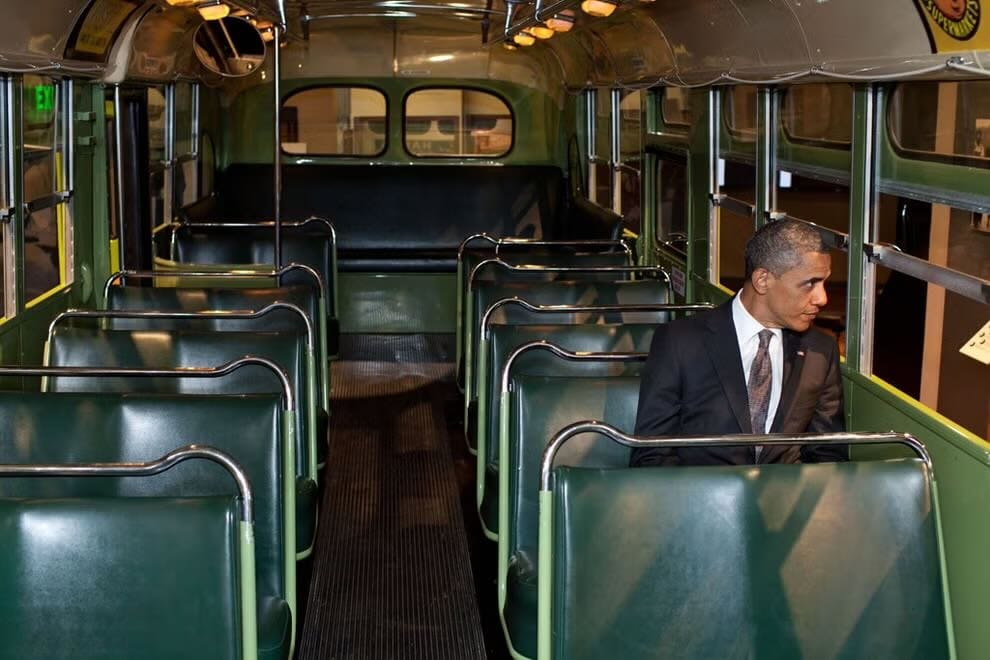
693, 384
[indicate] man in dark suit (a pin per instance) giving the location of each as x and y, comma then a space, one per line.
752, 365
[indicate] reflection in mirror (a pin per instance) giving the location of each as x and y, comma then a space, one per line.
230, 46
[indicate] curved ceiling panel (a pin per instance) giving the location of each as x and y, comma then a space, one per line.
162, 44
41, 31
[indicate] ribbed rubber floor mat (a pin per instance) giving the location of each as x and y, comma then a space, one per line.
391, 574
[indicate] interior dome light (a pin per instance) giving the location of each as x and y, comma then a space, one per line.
524, 39
218, 11
509, 45
599, 8
181, 3
541, 32
561, 22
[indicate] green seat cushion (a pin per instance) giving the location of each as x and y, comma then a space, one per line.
781, 561
307, 498
104, 578
542, 406
139, 427
274, 629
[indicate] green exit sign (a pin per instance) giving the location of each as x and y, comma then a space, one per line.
44, 98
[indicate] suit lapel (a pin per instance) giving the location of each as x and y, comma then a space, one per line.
793, 363
724, 350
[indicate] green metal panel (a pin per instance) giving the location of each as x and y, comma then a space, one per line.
962, 468
537, 122
397, 302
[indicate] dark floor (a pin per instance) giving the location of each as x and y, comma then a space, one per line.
391, 572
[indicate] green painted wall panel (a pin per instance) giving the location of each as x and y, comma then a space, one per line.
397, 302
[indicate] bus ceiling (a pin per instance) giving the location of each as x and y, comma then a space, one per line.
664, 42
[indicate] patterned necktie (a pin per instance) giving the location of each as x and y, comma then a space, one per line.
760, 378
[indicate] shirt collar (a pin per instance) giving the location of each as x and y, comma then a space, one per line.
746, 326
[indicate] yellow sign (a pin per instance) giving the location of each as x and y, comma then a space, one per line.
100, 24
955, 25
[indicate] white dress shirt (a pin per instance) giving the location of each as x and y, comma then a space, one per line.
748, 334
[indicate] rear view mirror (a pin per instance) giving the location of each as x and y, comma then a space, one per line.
230, 46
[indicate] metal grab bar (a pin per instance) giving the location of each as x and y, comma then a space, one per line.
146, 469
486, 321
122, 275
614, 434
204, 315
522, 268
174, 227
497, 242
179, 372
574, 356
890, 256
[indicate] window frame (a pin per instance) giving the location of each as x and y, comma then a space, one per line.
388, 115
464, 88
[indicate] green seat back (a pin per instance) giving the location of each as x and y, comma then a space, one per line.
59, 427
94, 347
101, 578
171, 299
541, 406
784, 561
557, 293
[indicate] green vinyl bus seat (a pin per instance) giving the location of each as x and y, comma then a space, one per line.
502, 341
480, 247
540, 406
88, 578
60, 428
171, 299
312, 242
482, 297
70, 346
828, 560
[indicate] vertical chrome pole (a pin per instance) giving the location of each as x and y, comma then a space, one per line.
277, 156
118, 133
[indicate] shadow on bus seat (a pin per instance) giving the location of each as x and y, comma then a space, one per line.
57, 428
823, 560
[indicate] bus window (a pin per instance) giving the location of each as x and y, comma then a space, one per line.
6, 202
947, 121
457, 122
672, 194
185, 144
207, 165
158, 168
630, 145
738, 182
740, 112
675, 107
44, 183
601, 154
819, 113
919, 327
334, 121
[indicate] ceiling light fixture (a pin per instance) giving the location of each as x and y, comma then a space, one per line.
561, 22
599, 8
524, 39
214, 12
541, 31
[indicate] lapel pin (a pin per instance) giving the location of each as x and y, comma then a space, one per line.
800, 353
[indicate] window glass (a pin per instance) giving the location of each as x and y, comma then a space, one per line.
457, 122
43, 176
734, 230
949, 120
184, 112
672, 195
334, 121
675, 106
629, 200
827, 205
603, 184
603, 124
819, 112
207, 165
630, 127
740, 112
919, 328
158, 172
5, 200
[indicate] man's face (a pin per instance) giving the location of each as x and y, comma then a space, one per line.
795, 297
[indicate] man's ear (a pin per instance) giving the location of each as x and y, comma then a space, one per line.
760, 279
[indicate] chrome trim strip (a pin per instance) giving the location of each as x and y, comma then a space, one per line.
591, 426
207, 314
486, 321
890, 256
145, 469
181, 372
733, 205
567, 269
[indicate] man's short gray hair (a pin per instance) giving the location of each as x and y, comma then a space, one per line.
779, 245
